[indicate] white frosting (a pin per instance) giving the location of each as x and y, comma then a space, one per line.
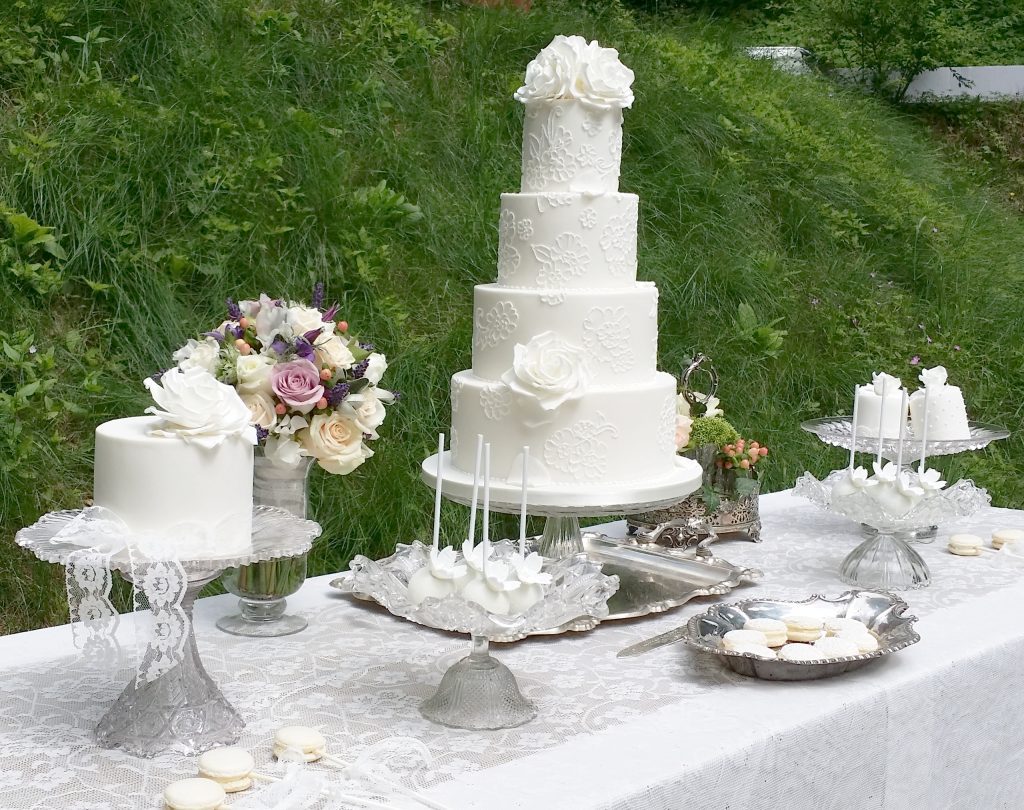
569, 147
618, 329
195, 407
947, 414
567, 240
572, 68
613, 434
162, 484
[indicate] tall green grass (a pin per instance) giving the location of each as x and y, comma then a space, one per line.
221, 147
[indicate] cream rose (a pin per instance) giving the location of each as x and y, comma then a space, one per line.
683, 426
886, 383
196, 407
253, 373
307, 319
204, 354
376, 365
336, 442
334, 352
603, 81
933, 377
553, 72
548, 371
365, 409
261, 409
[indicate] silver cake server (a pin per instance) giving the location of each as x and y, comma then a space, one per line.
660, 640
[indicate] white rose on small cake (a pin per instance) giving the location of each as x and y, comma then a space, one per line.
336, 442
604, 82
553, 72
195, 407
548, 371
572, 68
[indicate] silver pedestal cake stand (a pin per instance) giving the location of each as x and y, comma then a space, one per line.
182, 709
563, 506
837, 431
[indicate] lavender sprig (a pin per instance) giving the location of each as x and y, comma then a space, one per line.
219, 337
336, 394
359, 369
234, 311
261, 433
318, 296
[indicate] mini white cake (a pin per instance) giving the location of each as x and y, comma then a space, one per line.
184, 475
947, 414
156, 483
882, 399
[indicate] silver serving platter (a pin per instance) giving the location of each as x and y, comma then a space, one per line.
838, 432
651, 580
882, 612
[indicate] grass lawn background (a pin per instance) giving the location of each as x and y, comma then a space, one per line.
194, 149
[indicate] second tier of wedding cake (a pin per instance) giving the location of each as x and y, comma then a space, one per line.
565, 341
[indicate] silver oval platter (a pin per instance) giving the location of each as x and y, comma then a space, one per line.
884, 614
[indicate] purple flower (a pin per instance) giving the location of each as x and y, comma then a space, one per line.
318, 296
261, 433
366, 347
215, 335
397, 395
329, 315
297, 384
337, 394
956, 348
234, 311
313, 334
915, 360
236, 331
279, 347
304, 349
359, 369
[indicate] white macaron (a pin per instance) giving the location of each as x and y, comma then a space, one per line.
299, 743
194, 794
231, 768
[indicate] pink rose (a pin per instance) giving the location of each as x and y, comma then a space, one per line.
297, 384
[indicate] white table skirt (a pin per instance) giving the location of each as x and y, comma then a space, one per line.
940, 724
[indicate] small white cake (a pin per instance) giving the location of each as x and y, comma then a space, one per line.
882, 399
947, 414
184, 475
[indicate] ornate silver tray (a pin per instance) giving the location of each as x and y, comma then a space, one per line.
651, 580
882, 612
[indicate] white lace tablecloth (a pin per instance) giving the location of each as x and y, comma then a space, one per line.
938, 725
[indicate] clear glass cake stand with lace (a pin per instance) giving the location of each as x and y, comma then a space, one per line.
181, 709
837, 431
563, 507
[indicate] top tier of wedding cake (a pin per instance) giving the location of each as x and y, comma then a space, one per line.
565, 341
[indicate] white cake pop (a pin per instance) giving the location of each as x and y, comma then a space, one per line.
930, 481
855, 480
491, 591
438, 578
887, 493
532, 582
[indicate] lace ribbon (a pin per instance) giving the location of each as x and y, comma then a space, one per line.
159, 583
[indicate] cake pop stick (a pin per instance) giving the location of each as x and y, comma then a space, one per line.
476, 488
487, 508
853, 430
522, 506
924, 432
903, 432
437, 491
881, 419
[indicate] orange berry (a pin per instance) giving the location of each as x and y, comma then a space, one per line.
280, 409
342, 326
243, 322
322, 403
326, 374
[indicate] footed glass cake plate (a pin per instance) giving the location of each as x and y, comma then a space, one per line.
838, 432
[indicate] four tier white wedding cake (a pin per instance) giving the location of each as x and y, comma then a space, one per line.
565, 341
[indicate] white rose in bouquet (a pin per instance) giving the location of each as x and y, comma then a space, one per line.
552, 73
283, 451
271, 321
366, 409
604, 82
376, 365
261, 409
548, 371
253, 373
307, 319
196, 407
336, 442
334, 352
202, 354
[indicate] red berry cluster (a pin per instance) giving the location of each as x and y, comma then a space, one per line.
741, 455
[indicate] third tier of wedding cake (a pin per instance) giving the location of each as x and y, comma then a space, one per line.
565, 342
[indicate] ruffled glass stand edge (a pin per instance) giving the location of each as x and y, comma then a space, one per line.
478, 692
182, 710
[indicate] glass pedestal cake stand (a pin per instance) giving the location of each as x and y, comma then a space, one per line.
182, 709
837, 431
563, 507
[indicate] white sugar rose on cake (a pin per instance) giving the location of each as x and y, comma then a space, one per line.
565, 342
309, 387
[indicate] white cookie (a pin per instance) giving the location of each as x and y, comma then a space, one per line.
1000, 537
299, 742
840, 624
734, 637
773, 629
228, 767
803, 626
836, 647
194, 794
965, 545
800, 653
754, 649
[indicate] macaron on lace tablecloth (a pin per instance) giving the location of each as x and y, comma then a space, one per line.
359, 674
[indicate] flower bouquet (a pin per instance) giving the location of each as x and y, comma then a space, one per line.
313, 393
727, 500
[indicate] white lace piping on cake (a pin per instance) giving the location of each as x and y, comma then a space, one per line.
495, 325
606, 334
579, 450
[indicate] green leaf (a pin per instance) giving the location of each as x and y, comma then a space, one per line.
98, 286
11, 352
356, 386
27, 390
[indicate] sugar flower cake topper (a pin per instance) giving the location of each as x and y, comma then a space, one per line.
572, 68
